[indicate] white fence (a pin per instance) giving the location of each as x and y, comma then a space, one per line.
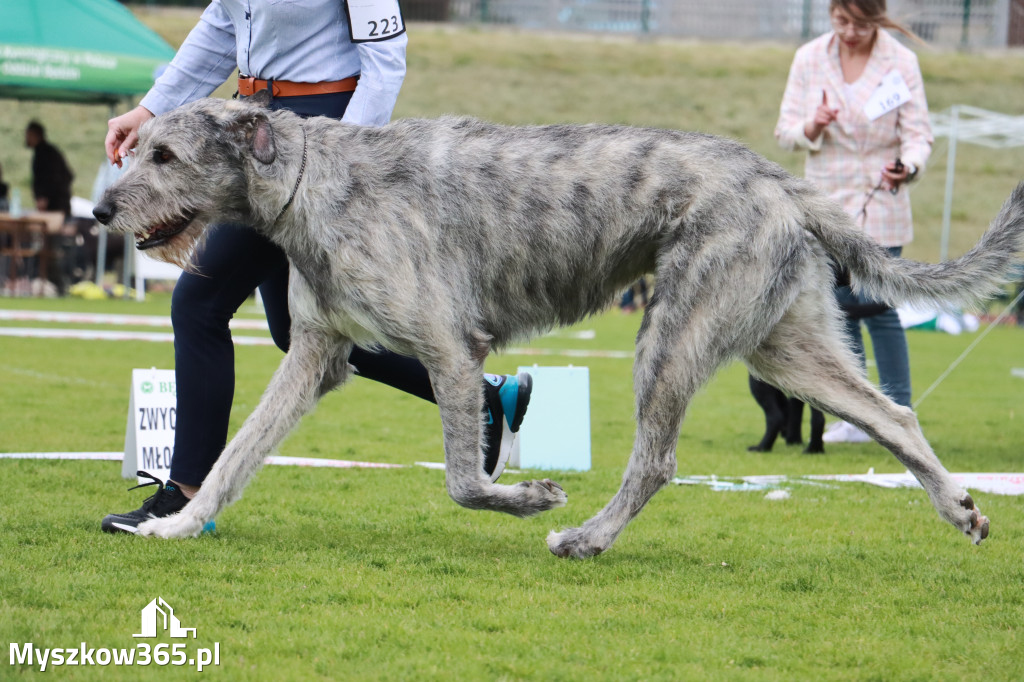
963, 23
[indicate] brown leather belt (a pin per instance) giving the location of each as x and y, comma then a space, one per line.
248, 86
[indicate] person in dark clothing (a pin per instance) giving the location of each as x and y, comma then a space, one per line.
51, 176
4, 192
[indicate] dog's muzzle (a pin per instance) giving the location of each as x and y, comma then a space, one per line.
155, 235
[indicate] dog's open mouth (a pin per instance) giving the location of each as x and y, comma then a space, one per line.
162, 233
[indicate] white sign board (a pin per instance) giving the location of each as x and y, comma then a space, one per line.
152, 414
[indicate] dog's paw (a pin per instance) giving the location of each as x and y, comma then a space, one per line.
977, 528
539, 496
573, 543
180, 525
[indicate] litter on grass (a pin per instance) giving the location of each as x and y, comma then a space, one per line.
744, 483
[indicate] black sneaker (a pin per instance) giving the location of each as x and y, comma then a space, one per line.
506, 398
167, 500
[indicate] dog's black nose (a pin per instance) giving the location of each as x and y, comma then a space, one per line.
104, 212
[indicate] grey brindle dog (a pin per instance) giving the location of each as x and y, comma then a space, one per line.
445, 239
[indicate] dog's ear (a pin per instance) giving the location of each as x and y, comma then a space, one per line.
261, 140
250, 127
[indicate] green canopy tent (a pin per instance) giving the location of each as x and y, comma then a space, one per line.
85, 51
80, 51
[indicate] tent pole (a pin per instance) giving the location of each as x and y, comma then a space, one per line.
947, 209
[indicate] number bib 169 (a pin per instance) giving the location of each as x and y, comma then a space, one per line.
372, 20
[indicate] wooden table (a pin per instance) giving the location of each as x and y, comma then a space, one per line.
28, 236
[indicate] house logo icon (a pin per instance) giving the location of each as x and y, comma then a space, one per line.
157, 613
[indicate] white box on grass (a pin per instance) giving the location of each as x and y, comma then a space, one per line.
556, 431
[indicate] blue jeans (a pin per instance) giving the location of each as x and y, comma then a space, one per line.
889, 342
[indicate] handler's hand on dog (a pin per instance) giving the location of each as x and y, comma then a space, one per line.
123, 133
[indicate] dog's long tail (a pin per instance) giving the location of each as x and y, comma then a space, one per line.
965, 281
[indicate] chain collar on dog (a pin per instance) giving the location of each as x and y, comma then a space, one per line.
302, 170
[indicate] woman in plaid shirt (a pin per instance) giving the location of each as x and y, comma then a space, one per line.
855, 101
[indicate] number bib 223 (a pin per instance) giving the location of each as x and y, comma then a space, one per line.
373, 20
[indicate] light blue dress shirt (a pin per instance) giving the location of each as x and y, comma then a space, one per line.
304, 41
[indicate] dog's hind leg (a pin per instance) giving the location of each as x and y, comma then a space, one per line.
678, 349
810, 361
315, 363
456, 381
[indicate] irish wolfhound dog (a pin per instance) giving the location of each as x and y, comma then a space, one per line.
445, 239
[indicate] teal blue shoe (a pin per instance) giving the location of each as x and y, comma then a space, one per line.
506, 398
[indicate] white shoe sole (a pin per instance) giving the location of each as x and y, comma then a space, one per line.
508, 439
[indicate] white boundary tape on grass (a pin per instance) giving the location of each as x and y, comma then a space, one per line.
276, 460
111, 456
162, 337
102, 335
994, 483
111, 319
117, 320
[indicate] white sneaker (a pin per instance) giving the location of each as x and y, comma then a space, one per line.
844, 432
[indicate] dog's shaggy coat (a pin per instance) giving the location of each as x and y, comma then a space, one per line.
444, 239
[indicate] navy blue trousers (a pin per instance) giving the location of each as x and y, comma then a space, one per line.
234, 262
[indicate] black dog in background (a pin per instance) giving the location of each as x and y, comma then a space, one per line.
783, 415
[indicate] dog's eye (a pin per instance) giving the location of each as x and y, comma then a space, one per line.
162, 156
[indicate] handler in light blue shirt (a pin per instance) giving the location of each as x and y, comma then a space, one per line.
301, 41
308, 43
318, 58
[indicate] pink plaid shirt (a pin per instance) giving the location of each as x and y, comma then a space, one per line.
847, 159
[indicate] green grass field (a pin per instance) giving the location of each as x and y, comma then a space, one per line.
376, 575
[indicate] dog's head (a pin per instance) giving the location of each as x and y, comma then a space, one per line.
190, 169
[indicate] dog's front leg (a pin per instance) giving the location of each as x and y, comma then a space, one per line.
315, 363
460, 399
